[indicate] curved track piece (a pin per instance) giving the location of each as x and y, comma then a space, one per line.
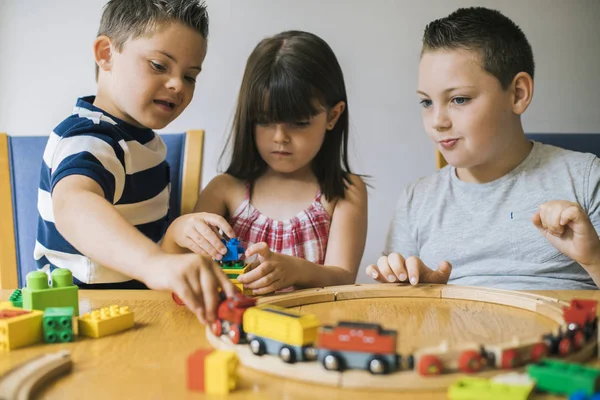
20, 382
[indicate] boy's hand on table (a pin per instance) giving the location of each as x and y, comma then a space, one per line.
394, 268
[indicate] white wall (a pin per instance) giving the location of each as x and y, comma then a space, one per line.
46, 62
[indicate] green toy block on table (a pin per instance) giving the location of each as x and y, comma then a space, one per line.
16, 298
560, 377
38, 295
58, 325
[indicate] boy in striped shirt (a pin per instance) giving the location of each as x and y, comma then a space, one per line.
104, 185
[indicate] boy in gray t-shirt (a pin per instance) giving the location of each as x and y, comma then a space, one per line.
505, 212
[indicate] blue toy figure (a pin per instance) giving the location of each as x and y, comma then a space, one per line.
235, 253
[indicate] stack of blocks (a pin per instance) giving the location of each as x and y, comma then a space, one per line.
233, 264
58, 325
106, 321
212, 371
19, 328
38, 295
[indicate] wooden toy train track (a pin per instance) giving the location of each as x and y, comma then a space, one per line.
570, 341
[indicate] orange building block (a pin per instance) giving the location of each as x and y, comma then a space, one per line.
105, 321
212, 371
19, 328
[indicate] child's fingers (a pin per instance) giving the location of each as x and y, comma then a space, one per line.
385, 270
191, 298
193, 246
415, 267
206, 238
275, 285
210, 291
571, 214
396, 263
550, 217
261, 249
221, 223
373, 272
537, 221
257, 273
263, 281
440, 275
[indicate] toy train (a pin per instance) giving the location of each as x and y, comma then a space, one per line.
270, 329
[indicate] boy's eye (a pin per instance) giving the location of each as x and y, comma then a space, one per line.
190, 79
425, 103
460, 100
158, 67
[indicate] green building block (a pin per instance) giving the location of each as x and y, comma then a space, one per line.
16, 298
38, 295
561, 377
58, 325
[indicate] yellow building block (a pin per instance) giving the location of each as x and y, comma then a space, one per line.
19, 328
220, 372
5, 304
105, 321
245, 292
473, 388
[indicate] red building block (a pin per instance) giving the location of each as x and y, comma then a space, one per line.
195, 370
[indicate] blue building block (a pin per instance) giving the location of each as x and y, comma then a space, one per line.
234, 255
58, 325
38, 295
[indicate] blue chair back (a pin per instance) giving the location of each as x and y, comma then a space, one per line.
25, 159
582, 142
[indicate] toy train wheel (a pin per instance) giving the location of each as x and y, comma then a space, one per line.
565, 346
333, 362
470, 361
217, 328
257, 346
430, 365
287, 354
578, 339
410, 362
590, 328
235, 334
538, 351
510, 359
378, 366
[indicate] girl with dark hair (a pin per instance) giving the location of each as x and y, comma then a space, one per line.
288, 193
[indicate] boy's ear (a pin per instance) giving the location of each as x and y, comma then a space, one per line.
103, 52
334, 114
522, 90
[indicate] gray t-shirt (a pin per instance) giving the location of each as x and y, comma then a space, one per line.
485, 230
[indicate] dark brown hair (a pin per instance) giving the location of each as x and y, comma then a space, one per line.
291, 77
503, 47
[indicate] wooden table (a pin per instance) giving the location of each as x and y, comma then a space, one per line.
149, 361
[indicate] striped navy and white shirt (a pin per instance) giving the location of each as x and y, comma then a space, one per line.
129, 165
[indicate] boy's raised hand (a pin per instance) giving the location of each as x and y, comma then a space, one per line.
394, 268
199, 233
568, 228
274, 271
194, 278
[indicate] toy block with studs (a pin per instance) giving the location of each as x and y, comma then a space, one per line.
212, 371
39, 295
16, 298
58, 325
19, 328
106, 321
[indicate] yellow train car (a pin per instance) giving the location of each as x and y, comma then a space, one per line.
276, 330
